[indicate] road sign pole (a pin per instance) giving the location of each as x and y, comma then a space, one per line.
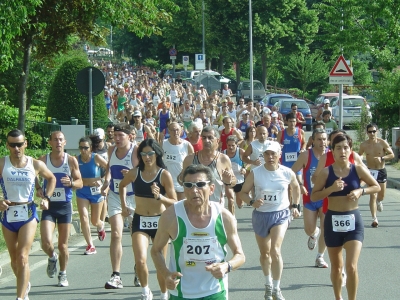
340, 106
90, 102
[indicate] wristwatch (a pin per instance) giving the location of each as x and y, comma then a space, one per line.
229, 267
251, 202
295, 206
47, 198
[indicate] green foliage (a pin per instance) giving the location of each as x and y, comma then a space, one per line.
151, 63
360, 125
9, 119
65, 101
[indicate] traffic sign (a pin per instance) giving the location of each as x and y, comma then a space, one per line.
341, 80
185, 60
341, 68
173, 52
172, 57
200, 60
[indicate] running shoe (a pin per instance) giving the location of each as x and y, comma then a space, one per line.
268, 292
115, 282
90, 250
102, 234
312, 240
136, 281
148, 296
374, 223
321, 263
277, 295
28, 288
379, 206
52, 266
344, 278
62, 280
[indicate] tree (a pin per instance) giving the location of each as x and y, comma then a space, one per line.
63, 93
46, 26
307, 68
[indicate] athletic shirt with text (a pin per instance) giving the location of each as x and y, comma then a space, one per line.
187, 114
258, 151
291, 147
18, 184
173, 158
195, 248
61, 193
116, 166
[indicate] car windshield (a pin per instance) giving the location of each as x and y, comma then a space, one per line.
353, 102
300, 104
273, 100
256, 86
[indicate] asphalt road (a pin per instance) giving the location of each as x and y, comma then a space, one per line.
378, 266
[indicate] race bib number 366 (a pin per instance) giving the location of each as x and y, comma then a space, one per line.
343, 223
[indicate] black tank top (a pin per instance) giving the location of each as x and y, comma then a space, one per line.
143, 188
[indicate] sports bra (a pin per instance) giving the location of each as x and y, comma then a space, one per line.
352, 181
143, 188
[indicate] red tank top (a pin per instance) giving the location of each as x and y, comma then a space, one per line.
299, 125
224, 136
198, 146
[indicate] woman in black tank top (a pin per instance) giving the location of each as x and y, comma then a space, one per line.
154, 191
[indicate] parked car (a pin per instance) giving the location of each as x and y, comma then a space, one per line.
244, 90
319, 102
351, 109
91, 52
105, 52
284, 106
270, 99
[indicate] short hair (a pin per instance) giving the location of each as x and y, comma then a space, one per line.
226, 118
317, 131
326, 112
15, 133
211, 129
318, 123
232, 138
372, 125
292, 105
340, 138
55, 132
85, 139
290, 116
110, 126
194, 125
336, 132
194, 169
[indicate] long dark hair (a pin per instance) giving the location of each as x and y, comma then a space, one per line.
156, 148
95, 142
247, 134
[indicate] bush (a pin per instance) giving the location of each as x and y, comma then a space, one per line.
151, 63
65, 101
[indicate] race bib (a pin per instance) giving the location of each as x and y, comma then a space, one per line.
199, 249
58, 195
343, 223
171, 157
271, 197
328, 130
116, 186
149, 222
291, 156
374, 173
95, 190
18, 213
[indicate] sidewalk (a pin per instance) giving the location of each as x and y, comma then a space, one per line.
393, 175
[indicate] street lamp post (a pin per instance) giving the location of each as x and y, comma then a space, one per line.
251, 51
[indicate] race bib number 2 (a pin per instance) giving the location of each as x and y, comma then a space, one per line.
18, 213
116, 186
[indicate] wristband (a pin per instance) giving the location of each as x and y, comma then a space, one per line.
159, 197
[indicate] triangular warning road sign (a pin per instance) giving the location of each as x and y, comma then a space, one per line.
341, 68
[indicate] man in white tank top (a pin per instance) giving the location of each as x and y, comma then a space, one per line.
175, 151
18, 211
271, 216
195, 247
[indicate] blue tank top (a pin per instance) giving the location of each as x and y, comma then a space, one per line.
352, 181
243, 126
308, 172
116, 166
291, 147
89, 169
61, 193
270, 134
163, 120
183, 135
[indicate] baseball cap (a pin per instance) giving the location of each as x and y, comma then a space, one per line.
99, 132
224, 101
273, 146
266, 110
201, 85
274, 114
245, 112
326, 101
137, 113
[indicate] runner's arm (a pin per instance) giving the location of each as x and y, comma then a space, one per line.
76, 177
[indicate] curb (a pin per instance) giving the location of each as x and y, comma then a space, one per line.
392, 183
36, 245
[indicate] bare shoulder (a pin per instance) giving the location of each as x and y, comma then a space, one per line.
223, 158
72, 161
384, 143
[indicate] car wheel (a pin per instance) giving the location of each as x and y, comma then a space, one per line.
308, 127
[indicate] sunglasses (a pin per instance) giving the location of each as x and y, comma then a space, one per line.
198, 184
150, 153
83, 148
373, 131
14, 145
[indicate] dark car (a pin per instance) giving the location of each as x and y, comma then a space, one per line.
270, 99
284, 106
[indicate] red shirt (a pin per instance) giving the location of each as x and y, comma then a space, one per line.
224, 137
198, 146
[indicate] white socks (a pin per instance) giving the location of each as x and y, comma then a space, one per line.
268, 280
276, 284
145, 290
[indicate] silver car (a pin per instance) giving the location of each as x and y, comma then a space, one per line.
352, 106
244, 90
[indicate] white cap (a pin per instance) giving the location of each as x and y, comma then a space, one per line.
201, 85
326, 101
273, 146
137, 113
99, 132
266, 110
245, 112
274, 114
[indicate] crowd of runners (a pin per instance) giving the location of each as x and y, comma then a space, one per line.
165, 166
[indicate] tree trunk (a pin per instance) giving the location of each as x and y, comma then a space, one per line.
23, 82
264, 70
221, 64
237, 76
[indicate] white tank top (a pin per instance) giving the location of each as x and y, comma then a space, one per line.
173, 95
193, 249
173, 158
225, 93
272, 187
258, 151
156, 100
232, 115
18, 184
139, 134
187, 114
